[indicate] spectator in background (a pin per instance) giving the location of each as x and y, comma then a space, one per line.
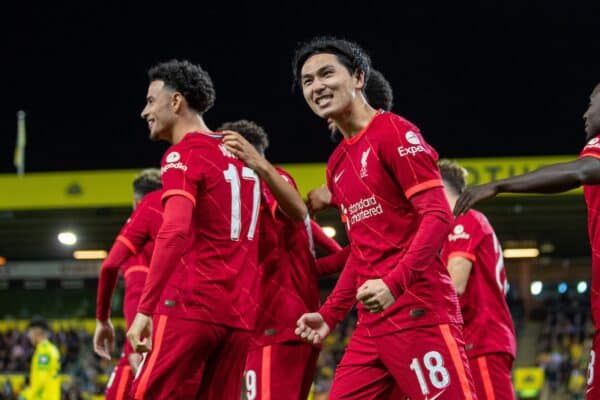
44, 381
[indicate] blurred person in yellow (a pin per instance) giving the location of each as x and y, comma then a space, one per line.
44, 380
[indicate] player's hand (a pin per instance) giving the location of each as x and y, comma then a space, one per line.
135, 359
312, 328
104, 339
140, 333
318, 199
235, 143
375, 295
474, 195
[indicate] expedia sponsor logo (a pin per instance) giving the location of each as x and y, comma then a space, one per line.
173, 157
410, 150
169, 166
458, 233
412, 138
363, 209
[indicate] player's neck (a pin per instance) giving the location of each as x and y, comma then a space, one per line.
355, 119
451, 200
193, 123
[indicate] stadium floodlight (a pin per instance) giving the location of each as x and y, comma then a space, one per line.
562, 287
67, 238
530, 252
536, 287
582, 287
329, 231
89, 254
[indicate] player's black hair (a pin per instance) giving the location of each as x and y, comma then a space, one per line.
454, 175
251, 131
379, 91
38, 322
148, 180
349, 54
193, 82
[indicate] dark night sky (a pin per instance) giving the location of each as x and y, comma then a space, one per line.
487, 79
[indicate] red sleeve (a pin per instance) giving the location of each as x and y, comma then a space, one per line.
180, 177
592, 148
436, 218
463, 239
168, 249
322, 241
342, 298
109, 274
136, 232
413, 162
333, 263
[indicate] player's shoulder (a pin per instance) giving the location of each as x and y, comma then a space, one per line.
286, 175
153, 198
592, 145
476, 221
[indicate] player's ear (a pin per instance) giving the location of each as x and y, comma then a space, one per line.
177, 101
359, 79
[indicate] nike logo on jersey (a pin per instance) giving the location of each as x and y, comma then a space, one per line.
337, 177
436, 396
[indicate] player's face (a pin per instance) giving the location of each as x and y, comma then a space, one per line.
158, 112
592, 115
328, 87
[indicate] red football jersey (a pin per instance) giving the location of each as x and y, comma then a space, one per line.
216, 279
488, 324
138, 234
288, 274
135, 271
592, 198
143, 225
372, 178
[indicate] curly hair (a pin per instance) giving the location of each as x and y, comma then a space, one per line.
148, 180
349, 54
190, 80
379, 91
251, 131
453, 174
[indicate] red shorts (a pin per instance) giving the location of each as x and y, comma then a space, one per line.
421, 363
192, 360
593, 383
280, 371
492, 376
120, 380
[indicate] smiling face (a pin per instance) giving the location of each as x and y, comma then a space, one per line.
328, 87
159, 111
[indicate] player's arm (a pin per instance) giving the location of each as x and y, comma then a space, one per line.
169, 247
555, 178
322, 241
287, 196
435, 219
333, 263
460, 269
43, 374
315, 327
104, 336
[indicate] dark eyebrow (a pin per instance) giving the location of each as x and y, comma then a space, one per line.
319, 71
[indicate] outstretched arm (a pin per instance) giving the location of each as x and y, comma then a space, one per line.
555, 178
